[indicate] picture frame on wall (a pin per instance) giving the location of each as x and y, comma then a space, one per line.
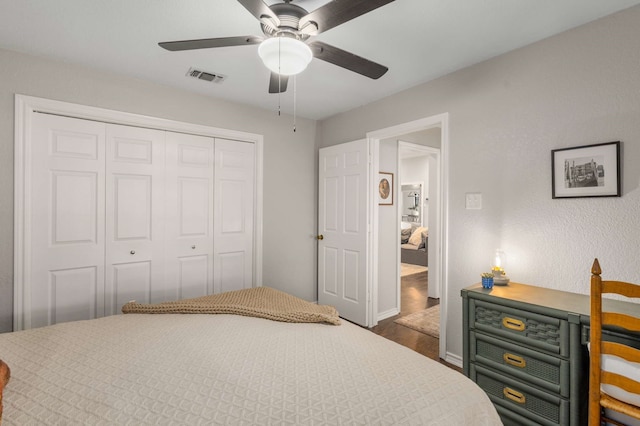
385, 189
586, 171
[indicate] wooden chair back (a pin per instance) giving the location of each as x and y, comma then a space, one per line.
598, 400
4, 379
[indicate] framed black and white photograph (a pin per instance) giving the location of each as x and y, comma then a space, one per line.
586, 171
385, 189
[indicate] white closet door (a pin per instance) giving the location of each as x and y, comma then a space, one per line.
189, 216
65, 280
234, 215
134, 216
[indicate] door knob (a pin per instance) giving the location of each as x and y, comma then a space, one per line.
320, 237
132, 252
193, 247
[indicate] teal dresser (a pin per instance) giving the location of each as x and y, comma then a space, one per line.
526, 347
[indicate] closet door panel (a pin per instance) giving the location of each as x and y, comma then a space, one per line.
132, 200
194, 213
65, 266
135, 216
73, 294
189, 215
231, 272
132, 281
234, 215
194, 276
74, 203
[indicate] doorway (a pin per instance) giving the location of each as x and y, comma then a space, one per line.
419, 201
387, 259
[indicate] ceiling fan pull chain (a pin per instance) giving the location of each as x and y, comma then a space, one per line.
279, 78
295, 96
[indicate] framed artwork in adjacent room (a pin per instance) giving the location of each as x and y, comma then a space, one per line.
385, 189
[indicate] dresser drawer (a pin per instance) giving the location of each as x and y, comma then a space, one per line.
542, 370
509, 418
520, 398
528, 328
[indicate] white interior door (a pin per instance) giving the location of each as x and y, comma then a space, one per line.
343, 197
188, 216
234, 196
65, 281
134, 216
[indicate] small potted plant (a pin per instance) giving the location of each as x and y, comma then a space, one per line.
487, 279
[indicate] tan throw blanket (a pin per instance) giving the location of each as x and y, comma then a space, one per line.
261, 302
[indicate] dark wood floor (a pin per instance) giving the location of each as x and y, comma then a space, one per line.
413, 298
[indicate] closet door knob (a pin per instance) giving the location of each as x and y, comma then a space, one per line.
320, 237
193, 247
132, 252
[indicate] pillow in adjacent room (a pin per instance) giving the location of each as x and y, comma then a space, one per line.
416, 236
425, 235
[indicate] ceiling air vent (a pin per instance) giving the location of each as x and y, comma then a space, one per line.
206, 76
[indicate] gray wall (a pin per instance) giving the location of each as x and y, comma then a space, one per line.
430, 137
289, 165
506, 115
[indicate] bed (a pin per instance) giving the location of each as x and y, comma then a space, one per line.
227, 369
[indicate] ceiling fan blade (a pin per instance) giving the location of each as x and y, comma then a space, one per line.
207, 43
278, 83
347, 60
260, 10
337, 12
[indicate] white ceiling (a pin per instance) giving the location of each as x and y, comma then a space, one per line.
418, 40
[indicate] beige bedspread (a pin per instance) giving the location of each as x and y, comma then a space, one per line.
228, 370
260, 302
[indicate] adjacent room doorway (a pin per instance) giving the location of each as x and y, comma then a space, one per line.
419, 199
437, 231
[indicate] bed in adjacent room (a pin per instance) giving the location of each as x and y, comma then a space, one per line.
228, 369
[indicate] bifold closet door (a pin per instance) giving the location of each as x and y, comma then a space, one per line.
120, 213
233, 215
188, 216
64, 278
134, 257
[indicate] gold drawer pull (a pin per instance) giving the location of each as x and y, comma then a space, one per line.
515, 360
514, 395
513, 324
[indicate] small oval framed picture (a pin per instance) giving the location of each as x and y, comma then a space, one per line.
586, 171
385, 189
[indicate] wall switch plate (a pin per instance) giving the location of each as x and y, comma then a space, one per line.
473, 201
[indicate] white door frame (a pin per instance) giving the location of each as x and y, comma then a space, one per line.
374, 137
26, 106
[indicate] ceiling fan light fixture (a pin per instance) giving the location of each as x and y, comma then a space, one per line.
285, 55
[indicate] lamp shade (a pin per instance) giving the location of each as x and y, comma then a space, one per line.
285, 55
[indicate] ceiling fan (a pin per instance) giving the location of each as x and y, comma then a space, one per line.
287, 29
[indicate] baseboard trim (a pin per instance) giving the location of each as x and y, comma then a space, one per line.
454, 359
